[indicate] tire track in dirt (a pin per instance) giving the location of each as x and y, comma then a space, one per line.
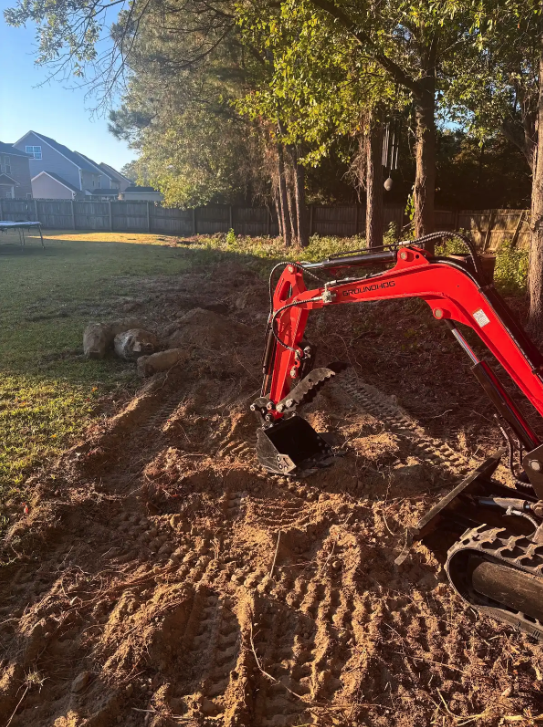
161, 586
436, 452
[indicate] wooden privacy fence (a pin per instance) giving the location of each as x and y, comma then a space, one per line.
489, 228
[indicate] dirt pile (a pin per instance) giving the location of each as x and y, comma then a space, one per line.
164, 579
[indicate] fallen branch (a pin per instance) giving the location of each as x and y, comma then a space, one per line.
18, 705
276, 552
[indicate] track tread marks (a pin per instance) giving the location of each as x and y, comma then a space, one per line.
376, 404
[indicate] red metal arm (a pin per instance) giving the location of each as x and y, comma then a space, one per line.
450, 291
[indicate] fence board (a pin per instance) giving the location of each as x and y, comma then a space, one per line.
170, 221
392, 215
91, 215
212, 219
129, 216
488, 228
17, 210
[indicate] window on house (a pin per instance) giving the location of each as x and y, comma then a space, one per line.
5, 165
34, 151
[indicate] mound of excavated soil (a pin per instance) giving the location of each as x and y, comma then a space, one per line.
208, 329
162, 578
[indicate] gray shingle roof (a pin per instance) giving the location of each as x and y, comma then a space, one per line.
97, 168
10, 149
77, 159
97, 192
140, 189
58, 178
109, 169
6, 179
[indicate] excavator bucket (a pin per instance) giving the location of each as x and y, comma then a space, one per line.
291, 447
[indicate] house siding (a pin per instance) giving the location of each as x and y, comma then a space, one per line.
88, 178
51, 161
48, 188
20, 172
120, 183
7, 192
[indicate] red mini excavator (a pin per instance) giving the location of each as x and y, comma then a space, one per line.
491, 535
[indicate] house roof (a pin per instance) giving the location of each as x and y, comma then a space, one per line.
113, 172
72, 156
58, 179
140, 189
103, 192
96, 166
10, 149
6, 179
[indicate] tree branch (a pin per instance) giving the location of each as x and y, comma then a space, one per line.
365, 40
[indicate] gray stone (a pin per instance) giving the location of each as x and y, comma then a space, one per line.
161, 361
95, 340
134, 343
98, 337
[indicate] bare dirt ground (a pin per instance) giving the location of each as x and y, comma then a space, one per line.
162, 578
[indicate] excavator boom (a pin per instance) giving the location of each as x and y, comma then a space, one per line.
458, 292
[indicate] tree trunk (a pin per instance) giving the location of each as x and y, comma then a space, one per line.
279, 214
290, 203
535, 273
276, 198
283, 197
374, 184
302, 221
425, 176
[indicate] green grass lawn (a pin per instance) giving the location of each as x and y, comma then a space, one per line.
47, 392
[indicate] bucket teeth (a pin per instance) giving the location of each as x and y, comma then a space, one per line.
309, 387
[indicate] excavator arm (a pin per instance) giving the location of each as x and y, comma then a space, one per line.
457, 291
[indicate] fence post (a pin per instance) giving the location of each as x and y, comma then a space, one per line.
1, 213
517, 230
268, 221
194, 224
36, 210
489, 231
148, 217
356, 216
73, 215
110, 215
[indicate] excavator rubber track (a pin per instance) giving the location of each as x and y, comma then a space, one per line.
501, 575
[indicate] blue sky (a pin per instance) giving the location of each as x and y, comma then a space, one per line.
53, 109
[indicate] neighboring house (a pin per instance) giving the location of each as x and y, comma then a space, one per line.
133, 194
122, 181
58, 171
97, 178
103, 195
48, 185
14, 173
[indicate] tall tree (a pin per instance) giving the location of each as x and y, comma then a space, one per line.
507, 93
317, 92
374, 181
